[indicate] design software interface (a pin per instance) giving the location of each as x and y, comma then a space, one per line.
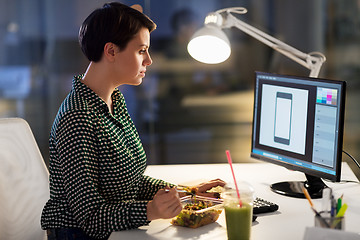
296, 121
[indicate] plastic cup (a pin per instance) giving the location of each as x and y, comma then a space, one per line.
326, 221
238, 218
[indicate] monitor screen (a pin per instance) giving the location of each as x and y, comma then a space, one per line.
298, 123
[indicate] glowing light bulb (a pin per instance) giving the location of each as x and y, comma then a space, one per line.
209, 45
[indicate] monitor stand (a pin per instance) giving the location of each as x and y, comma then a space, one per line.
314, 185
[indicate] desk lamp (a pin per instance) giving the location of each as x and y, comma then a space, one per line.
210, 44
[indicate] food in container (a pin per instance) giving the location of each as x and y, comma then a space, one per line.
198, 211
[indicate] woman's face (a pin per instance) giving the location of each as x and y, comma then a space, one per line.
131, 62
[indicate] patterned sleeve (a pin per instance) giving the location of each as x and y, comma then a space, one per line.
150, 186
76, 146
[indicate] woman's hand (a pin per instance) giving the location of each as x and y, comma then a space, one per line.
165, 204
202, 188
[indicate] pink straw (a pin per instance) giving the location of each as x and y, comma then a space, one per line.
232, 171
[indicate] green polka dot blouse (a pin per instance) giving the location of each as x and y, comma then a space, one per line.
97, 166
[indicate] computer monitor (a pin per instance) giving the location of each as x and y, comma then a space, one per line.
298, 123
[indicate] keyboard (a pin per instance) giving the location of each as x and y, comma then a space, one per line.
264, 206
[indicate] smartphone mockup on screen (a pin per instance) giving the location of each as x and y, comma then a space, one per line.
283, 110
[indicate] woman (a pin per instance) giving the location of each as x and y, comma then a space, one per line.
97, 162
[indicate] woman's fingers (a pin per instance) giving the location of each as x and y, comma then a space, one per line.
166, 204
204, 187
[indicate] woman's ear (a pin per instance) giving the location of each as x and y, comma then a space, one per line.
137, 7
109, 51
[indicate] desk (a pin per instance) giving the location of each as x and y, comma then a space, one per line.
287, 223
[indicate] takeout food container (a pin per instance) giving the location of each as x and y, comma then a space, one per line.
198, 211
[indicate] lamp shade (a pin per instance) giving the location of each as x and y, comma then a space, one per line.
209, 45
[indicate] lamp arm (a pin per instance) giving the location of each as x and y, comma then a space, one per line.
312, 61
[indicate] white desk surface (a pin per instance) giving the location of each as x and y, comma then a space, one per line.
288, 222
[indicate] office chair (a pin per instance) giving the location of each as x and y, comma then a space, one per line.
24, 184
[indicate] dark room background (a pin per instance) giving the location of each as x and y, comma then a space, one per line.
185, 111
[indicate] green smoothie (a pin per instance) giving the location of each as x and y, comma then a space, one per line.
238, 221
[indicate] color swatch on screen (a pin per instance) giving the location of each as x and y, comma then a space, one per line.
326, 96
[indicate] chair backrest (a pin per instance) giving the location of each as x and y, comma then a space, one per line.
24, 182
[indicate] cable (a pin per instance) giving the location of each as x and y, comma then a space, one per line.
341, 181
356, 162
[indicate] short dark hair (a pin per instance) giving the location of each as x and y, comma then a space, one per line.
115, 23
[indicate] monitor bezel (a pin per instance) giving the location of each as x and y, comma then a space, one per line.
337, 176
